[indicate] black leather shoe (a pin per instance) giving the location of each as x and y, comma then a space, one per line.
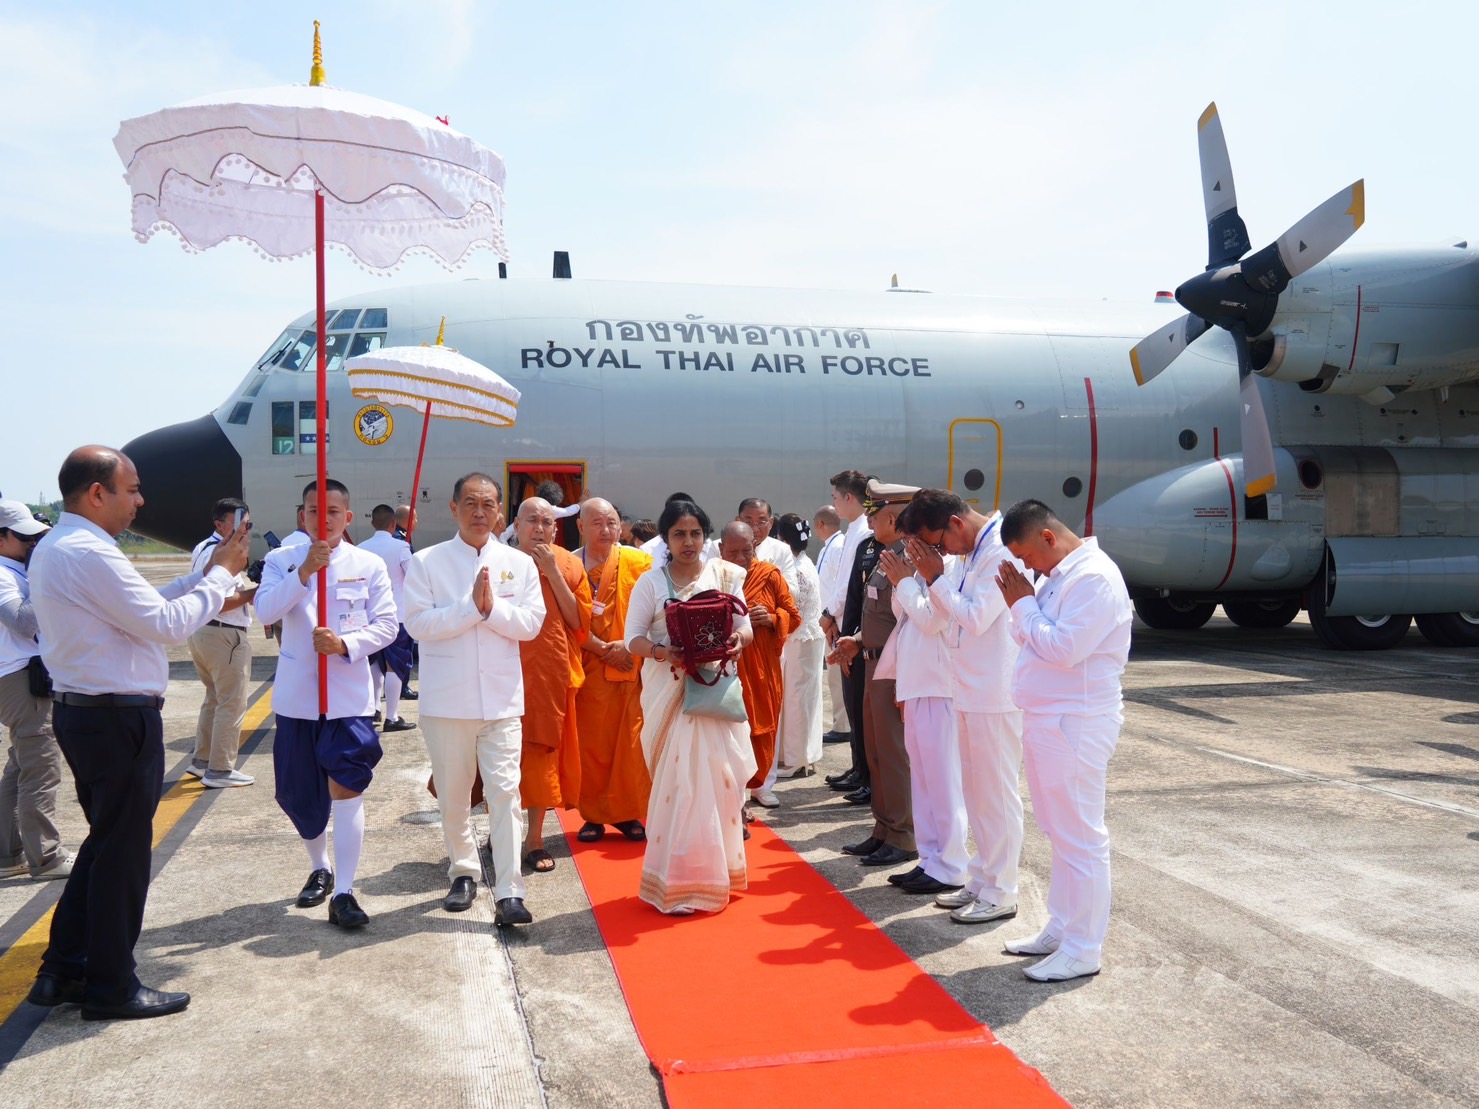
409, 694
846, 782
464, 893
833, 779
144, 1003
51, 989
344, 912
924, 884
866, 847
860, 796
319, 883
907, 876
837, 737
511, 910
889, 856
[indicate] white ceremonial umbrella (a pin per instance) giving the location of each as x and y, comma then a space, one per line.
290, 169
437, 381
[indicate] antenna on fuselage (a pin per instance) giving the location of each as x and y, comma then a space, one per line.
502, 269
562, 264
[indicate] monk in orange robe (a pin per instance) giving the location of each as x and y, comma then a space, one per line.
773, 615
549, 766
614, 782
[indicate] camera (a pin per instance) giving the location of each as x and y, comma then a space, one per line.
254, 571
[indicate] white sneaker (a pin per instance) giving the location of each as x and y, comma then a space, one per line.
197, 769
979, 911
1060, 967
955, 899
765, 799
225, 779
1044, 943
59, 867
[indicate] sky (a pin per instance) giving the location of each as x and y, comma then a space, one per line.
1039, 151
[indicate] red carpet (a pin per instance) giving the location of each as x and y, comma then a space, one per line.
791, 991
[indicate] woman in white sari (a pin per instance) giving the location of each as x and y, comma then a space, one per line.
699, 764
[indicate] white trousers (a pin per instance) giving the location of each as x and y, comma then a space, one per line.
459, 749
1067, 765
990, 765
834, 705
934, 787
799, 736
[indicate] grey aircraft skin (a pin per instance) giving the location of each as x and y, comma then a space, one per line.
1369, 385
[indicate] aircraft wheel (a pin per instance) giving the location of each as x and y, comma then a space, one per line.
1173, 614
1359, 633
1261, 614
1450, 629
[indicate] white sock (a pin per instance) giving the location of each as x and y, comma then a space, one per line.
377, 679
318, 851
349, 837
392, 695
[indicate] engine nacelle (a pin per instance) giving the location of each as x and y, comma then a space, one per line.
1375, 326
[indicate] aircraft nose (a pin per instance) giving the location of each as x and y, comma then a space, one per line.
183, 470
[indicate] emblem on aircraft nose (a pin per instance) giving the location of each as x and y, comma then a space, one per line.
373, 424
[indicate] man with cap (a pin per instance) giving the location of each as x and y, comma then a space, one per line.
892, 839
29, 840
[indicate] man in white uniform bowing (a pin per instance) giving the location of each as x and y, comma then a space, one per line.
470, 602
1074, 629
324, 761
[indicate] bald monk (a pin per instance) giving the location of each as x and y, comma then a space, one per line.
773, 615
549, 765
614, 782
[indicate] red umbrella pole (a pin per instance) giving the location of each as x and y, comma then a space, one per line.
416, 481
321, 439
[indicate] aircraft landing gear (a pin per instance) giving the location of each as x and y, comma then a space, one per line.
1358, 633
1261, 614
1173, 613
1450, 629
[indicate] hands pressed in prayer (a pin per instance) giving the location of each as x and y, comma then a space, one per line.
482, 591
1013, 584
894, 568
926, 559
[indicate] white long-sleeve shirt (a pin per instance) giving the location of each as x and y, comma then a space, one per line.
1075, 637
239, 617
829, 564
17, 618
396, 554
982, 652
103, 627
470, 666
921, 660
836, 600
361, 612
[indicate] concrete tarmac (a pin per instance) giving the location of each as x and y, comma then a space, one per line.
1295, 845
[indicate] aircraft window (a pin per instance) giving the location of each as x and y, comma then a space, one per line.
284, 439
279, 348
308, 425
241, 412
254, 388
1072, 487
334, 349
1310, 474
974, 479
1188, 440
344, 321
372, 319
298, 354
365, 342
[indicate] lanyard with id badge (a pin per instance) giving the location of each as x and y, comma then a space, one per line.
956, 631
355, 594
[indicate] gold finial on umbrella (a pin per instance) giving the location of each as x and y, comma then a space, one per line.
316, 74
442, 331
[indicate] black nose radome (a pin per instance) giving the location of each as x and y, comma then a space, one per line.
183, 470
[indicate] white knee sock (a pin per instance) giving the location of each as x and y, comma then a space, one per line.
349, 837
392, 695
377, 679
318, 851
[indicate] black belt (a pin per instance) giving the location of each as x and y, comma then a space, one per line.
109, 700
221, 624
871, 654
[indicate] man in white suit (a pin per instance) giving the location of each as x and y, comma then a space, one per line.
470, 602
324, 761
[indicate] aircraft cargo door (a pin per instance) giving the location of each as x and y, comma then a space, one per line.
975, 462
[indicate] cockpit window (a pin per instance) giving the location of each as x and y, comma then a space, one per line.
334, 349
295, 349
344, 319
297, 353
365, 342
372, 319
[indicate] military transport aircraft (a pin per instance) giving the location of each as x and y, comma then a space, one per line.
1306, 436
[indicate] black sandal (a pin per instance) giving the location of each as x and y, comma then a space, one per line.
632, 829
535, 860
589, 832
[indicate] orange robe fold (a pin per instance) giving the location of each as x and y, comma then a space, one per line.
760, 664
549, 765
614, 782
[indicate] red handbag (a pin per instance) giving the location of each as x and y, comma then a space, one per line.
700, 628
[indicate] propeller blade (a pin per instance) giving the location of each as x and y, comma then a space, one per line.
1258, 446
1309, 242
1227, 235
1159, 349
